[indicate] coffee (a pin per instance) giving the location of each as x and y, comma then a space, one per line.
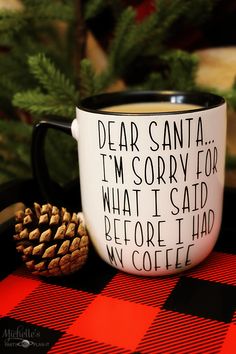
150, 107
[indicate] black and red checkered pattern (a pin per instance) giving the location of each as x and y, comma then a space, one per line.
102, 310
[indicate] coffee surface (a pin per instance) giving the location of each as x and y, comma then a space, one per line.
150, 107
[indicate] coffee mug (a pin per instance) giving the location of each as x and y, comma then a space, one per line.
151, 167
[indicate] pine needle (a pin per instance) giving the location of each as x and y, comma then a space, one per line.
176, 62
51, 79
11, 21
124, 25
50, 10
93, 7
87, 79
40, 104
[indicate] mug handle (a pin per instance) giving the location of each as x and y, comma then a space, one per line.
51, 191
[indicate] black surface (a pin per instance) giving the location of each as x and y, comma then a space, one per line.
203, 298
23, 337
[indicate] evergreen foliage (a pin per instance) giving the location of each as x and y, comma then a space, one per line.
44, 70
93, 8
56, 95
230, 96
14, 149
88, 82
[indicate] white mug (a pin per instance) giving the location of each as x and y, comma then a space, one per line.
151, 179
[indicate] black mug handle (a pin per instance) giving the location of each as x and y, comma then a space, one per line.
50, 190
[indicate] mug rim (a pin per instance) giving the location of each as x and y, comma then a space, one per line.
96, 103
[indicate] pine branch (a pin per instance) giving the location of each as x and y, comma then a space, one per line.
14, 76
14, 21
37, 34
138, 38
40, 104
124, 25
168, 13
51, 79
155, 81
11, 21
87, 79
230, 96
50, 10
181, 70
132, 39
93, 7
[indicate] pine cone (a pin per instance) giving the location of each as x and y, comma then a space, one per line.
52, 242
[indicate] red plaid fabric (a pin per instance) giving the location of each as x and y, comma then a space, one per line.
102, 310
